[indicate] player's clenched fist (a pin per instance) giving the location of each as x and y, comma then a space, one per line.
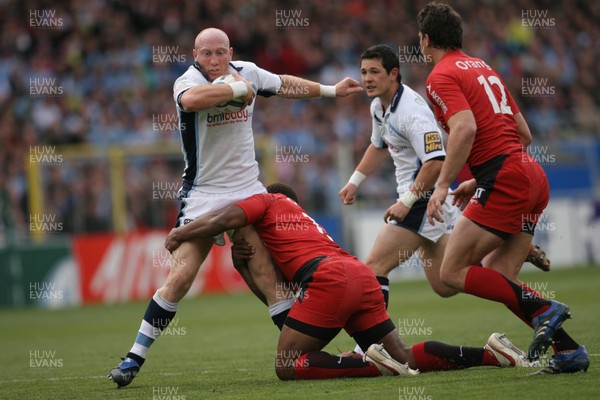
251, 92
348, 194
347, 86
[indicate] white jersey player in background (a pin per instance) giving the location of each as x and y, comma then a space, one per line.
404, 126
220, 169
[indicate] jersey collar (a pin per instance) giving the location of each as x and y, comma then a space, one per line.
396, 98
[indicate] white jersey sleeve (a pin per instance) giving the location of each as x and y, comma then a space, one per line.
265, 83
218, 145
412, 136
189, 79
417, 123
378, 128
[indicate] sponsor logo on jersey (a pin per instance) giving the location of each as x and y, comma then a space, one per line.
419, 100
433, 142
472, 64
437, 99
479, 196
223, 118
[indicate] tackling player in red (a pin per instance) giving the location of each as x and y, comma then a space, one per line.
509, 191
334, 291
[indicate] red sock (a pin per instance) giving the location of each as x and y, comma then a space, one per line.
321, 365
428, 362
492, 285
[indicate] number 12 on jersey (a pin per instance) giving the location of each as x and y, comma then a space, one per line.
503, 107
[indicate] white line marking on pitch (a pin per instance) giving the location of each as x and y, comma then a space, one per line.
68, 378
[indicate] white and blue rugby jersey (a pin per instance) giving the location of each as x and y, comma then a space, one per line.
409, 131
218, 146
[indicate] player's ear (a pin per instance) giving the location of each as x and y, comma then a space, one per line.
394, 74
231, 53
426, 40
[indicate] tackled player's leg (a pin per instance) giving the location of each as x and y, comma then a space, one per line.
185, 263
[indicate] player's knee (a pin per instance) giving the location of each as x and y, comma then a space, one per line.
449, 278
444, 290
379, 266
284, 369
178, 286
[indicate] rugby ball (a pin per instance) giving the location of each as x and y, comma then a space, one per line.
232, 105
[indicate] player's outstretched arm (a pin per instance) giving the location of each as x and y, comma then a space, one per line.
207, 226
293, 87
371, 160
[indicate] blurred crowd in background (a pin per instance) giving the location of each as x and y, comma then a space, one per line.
100, 72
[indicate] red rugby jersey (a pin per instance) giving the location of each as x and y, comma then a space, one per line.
459, 82
290, 235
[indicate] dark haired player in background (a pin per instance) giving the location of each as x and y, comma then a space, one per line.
404, 128
508, 194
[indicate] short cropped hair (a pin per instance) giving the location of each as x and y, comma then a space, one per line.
283, 189
442, 24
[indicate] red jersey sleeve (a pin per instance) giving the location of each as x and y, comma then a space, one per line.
445, 93
255, 206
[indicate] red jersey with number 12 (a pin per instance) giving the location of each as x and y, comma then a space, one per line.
290, 235
459, 82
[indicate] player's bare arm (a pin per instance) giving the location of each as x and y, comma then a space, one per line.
425, 179
370, 161
293, 87
202, 97
463, 128
207, 226
241, 253
523, 129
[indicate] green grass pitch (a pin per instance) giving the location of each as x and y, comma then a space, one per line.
224, 347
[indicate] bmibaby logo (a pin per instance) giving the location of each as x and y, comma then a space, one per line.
224, 118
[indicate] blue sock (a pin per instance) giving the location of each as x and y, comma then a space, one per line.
158, 315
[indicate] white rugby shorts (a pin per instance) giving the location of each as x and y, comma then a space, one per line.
197, 203
416, 220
